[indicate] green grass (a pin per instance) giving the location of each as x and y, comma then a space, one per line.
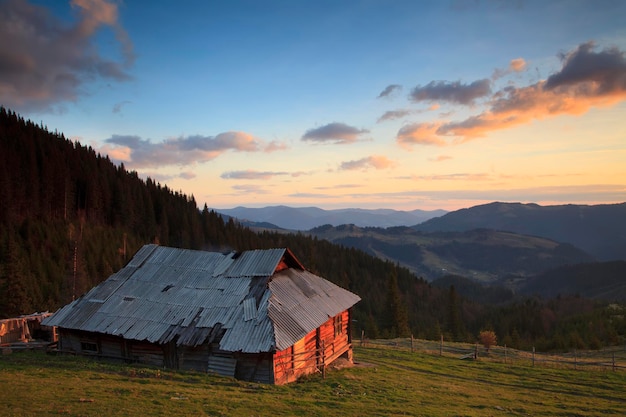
387, 382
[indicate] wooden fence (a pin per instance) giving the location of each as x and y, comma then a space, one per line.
613, 358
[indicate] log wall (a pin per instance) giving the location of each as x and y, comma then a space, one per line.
317, 349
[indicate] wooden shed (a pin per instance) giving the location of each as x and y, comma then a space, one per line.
24, 329
256, 315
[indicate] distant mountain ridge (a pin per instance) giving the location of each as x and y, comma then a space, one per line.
599, 230
483, 255
306, 218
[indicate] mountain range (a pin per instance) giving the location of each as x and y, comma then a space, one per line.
306, 218
483, 255
521, 247
599, 230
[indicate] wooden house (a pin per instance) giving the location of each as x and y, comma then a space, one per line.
256, 315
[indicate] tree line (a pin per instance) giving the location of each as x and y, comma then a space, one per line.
70, 217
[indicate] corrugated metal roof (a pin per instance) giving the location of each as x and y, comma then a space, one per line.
255, 263
301, 301
166, 294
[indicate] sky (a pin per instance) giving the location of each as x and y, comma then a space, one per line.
335, 104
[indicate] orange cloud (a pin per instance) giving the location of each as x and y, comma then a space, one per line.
374, 161
419, 134
517, 65
518, 106
587, 79
95, 13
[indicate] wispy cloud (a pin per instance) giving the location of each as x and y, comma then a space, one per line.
335, 132
399, 114
249, 189
419, 134
45, 62
452, 92
390, 90
161, 177
339, 187
136, 152
460, 176
516, 65
251, 175
586, 79
592, 194
374, 161
394, 114
188, 175
117, 107
311, 195
441, 158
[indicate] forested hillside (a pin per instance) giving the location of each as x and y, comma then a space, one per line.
69, 218
483, 254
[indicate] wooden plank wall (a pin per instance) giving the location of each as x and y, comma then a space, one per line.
319, 347
193, 358
69, 342
336, 345
254, 367
147, 353
222, 365
112, 347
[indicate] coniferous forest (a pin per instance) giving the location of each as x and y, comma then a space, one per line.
70, 217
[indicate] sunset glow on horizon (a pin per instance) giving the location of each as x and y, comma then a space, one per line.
361, 104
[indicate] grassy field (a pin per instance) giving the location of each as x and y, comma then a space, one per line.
385, 382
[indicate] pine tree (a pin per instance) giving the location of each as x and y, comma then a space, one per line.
453, 319
397, 322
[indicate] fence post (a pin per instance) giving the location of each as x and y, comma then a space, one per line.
411, 342
505, 353
613, 361
533, 356
323, 360
575, 360
362, 336
476, 351
441, 346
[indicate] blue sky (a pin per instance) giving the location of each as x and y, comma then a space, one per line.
394, 104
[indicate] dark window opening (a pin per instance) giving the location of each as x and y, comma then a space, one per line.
90, 347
